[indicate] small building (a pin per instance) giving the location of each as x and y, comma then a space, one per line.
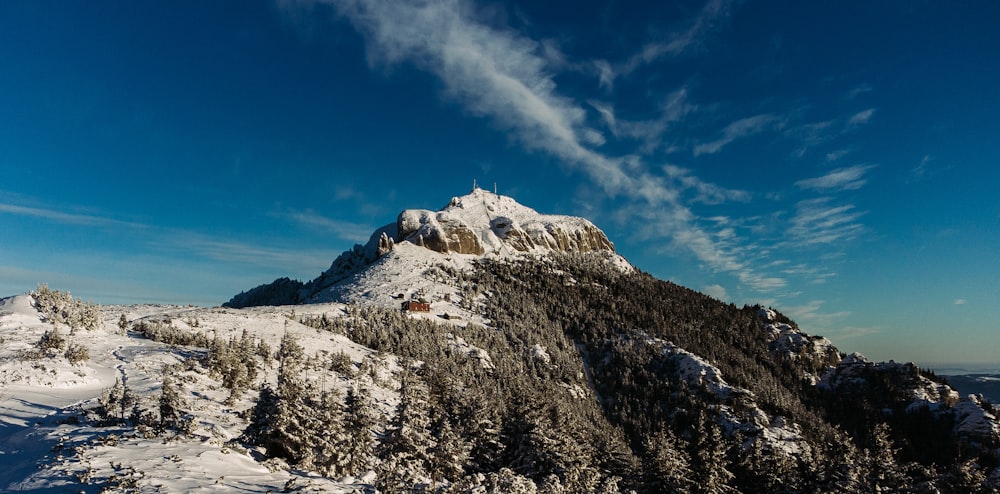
414, 306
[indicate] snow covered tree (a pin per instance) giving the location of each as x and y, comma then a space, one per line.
281, 417
327, 437
884, 475
666, 464
172, 407
449, 454
360, 420
507, 481
766, 470
406, 446
711, 465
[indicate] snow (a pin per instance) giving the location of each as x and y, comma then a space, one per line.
48, 443
775, 431
973, 421
414, 271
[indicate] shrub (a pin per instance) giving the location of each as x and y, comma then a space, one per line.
76, 353
59, 307
51, 341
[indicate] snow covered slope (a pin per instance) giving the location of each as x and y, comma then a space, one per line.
409, 257
51, 439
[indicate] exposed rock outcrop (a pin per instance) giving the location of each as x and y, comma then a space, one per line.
482, 222
478, 223
440, 232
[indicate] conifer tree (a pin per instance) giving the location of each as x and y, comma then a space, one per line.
885, 475
666, 464
172, 406
360, 422
406, 445
711, 465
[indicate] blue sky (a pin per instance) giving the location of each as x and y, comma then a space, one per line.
837, 160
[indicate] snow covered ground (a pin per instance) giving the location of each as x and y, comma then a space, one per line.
51, 441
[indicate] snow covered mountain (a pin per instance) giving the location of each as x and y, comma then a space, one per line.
477, 225
538, 360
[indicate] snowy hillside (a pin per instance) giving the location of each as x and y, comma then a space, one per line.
534, 360
55, 436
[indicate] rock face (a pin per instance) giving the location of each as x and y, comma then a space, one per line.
440, 232
482, 222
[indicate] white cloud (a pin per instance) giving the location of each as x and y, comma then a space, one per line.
859, 90
346, 230
811, 315
711, 16
650, 132
716, 291
708, 193
816, 221
836, 155
744, 127
920, 171
64, 217
230, 251
960, 301
861, 117
851, 178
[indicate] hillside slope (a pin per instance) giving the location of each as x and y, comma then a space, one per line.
544, 363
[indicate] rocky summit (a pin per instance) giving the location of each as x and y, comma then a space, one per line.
482, 222
479, 224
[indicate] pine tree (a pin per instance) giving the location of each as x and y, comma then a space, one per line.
666, 463
885, 475
172, 405
449, 454
711, 465
281, 418
405, 448
327, 437
360, 422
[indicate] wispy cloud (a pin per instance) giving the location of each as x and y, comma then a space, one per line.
836, 155
346, 230
707, 193
851, 178
714, 14
861, 117
960, 301
812, 315
66, 217
813, 134
743, 127
230, 251
716, 291
858, 91
816, 221
500, 75
649, 132
842, 333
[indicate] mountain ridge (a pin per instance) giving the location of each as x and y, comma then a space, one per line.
478, 224
556, 367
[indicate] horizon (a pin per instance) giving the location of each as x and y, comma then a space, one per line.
181, 152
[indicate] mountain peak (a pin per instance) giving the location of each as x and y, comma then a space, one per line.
482, 222
478, 224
